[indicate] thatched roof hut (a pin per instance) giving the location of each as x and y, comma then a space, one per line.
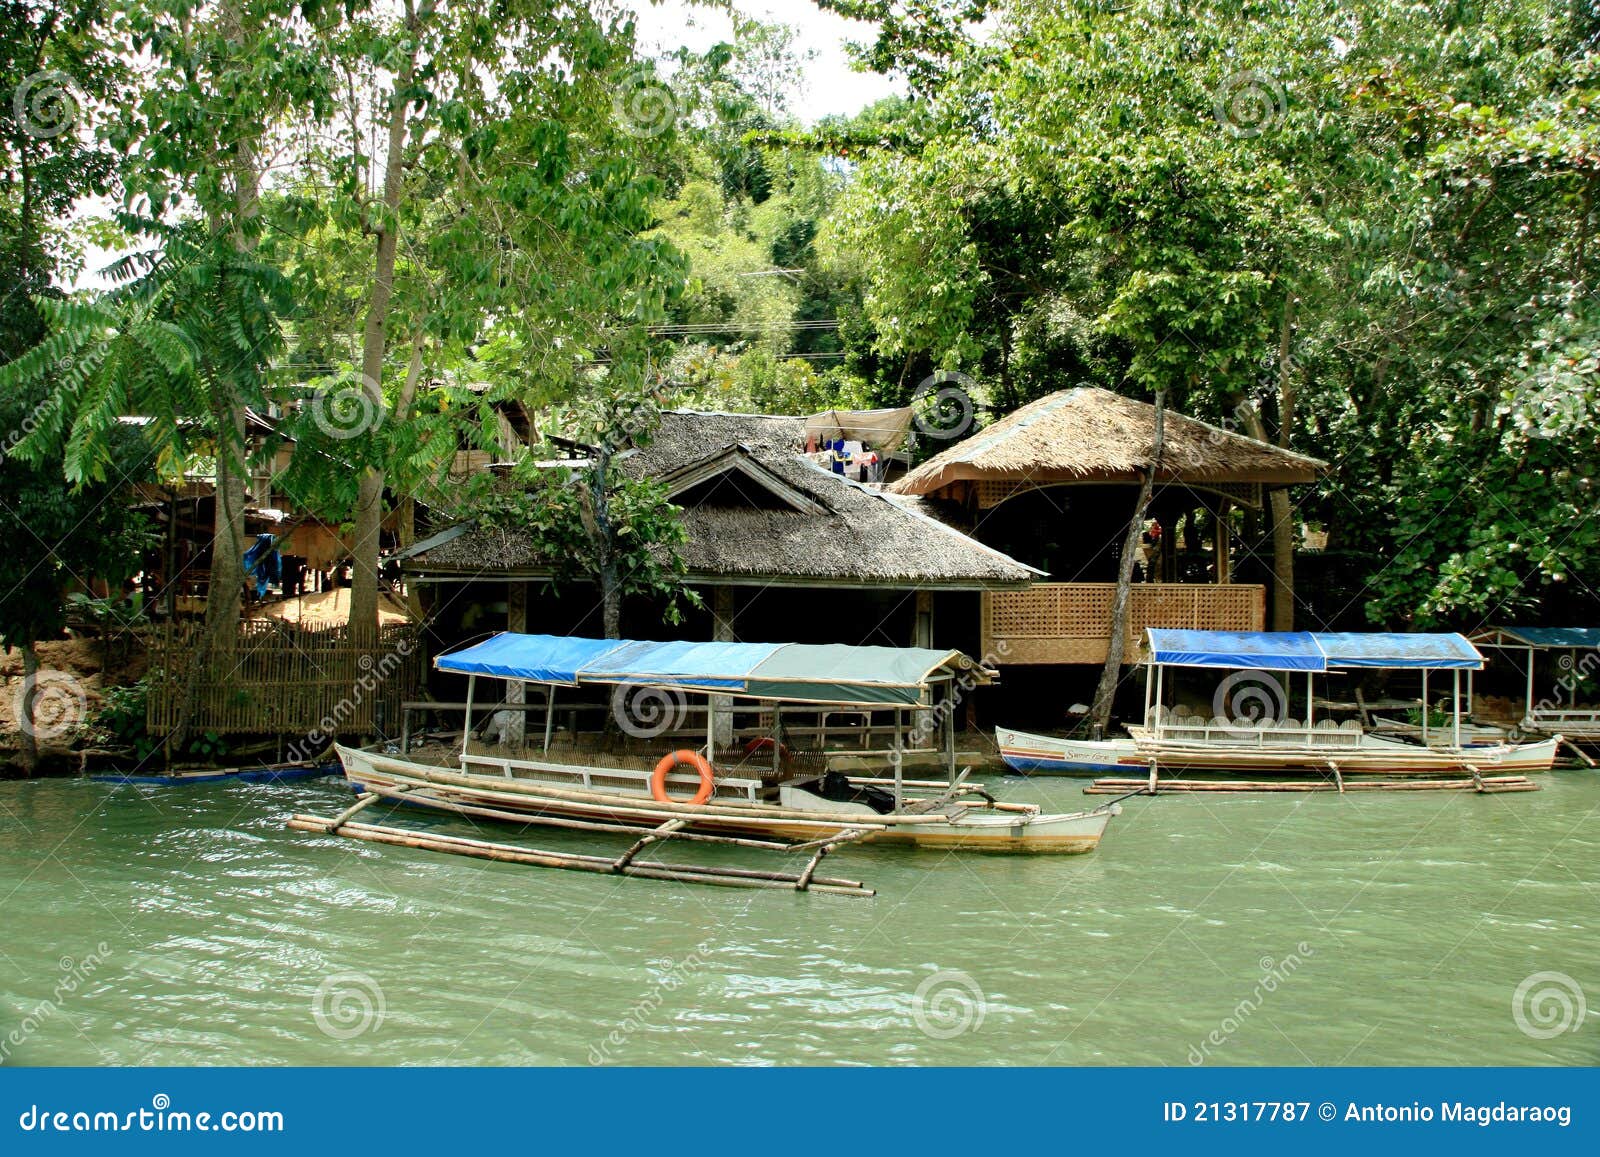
1089, 435
759, 513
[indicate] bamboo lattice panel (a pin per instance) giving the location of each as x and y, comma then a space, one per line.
1071, 622
286, 681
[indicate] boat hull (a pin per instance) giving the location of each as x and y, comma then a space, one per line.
1032, 754
799, 815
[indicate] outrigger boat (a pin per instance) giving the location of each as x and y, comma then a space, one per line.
767, 791
1261, 666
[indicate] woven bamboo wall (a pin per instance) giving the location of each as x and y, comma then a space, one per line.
287, 681
1070, 622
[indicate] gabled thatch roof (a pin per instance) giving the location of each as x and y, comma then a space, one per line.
820, 529
1093, 435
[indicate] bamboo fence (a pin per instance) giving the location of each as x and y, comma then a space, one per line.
287, 680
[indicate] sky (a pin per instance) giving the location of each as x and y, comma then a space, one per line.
832, 86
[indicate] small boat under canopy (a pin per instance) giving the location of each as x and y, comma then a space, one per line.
1254, 725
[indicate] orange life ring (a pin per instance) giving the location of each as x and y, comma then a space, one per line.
658, 779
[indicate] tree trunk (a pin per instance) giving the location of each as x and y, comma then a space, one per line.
214, 658
1111, 675
1283, 528
374, 346
407, 528
604, 538
27, 741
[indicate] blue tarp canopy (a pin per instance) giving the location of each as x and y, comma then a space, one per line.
1378, 649
825, 673
1237, 650
1546, 638
1307, 651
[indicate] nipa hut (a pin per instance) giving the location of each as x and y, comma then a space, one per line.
780, 545
1055, 485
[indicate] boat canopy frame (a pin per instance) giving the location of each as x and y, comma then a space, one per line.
901, 679
1314, 653
1571, 720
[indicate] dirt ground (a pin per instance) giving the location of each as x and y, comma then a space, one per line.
73, 676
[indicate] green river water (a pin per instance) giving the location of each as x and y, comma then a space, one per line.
187, 926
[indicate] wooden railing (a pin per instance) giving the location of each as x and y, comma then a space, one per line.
287, 681
1071, 622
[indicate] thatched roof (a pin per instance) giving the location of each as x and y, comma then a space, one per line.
1094, 435
757, 512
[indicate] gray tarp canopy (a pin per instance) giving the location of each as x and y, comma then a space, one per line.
796, 672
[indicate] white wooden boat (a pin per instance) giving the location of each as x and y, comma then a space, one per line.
1239, 747
1260, 665
536, 791
761, 794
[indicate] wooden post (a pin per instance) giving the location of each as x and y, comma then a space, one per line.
899, 761
1424, 707
1221, 544
719, 724
516, 689
466, 726
1309, 707
1455, 699
549, 712
922, 629
1527, 715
